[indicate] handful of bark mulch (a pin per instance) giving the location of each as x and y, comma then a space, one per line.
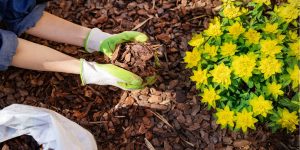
138, 58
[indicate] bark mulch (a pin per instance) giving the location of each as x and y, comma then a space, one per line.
167, 114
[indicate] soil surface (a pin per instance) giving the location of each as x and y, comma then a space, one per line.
166, 115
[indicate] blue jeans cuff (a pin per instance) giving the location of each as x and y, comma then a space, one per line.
30, 20
8, 46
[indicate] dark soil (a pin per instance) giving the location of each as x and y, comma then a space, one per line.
168, 114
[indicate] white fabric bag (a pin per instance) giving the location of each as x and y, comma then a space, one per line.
47, 127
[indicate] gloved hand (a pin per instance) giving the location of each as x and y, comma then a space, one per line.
106, 43
108, 74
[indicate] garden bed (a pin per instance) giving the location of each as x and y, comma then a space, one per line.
168, 114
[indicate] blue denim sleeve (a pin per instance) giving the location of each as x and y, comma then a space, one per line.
8, 46
20, 15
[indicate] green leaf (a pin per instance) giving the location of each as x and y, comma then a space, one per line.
275, 128
261, 118
294, 23
257, 85
250, 84
225, 21
252, 4
258, 16
245, 96
239, 108
290, 105
285, 26
279, 56
229, 103
238, 3
222, 105
209, 107
285, 80
218, 41
241, 40
256, 71
296, 98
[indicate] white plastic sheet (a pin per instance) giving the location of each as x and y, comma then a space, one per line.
47, 127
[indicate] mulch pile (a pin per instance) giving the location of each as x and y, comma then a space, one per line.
167, 115
137, 58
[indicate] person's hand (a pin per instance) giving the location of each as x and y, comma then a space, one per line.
108, 74
106, 43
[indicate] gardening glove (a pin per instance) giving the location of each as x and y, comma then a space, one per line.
108, 74
106, 43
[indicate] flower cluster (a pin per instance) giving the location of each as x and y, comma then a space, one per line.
246, 64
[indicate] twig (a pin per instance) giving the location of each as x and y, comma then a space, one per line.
197, 17
142, 23
153, 4
162, 119
96, 92
187, 142
96, 122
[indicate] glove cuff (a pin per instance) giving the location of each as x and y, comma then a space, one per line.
87, 69
94, 39
93, 73
81, 72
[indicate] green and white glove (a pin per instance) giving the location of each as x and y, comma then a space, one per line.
107, 43
108, 74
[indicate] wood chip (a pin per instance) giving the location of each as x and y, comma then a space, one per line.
149, 145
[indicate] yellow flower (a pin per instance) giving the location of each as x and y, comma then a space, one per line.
230, 11
271, 28
280, 38
252, 36
269, 47
245, 120
228, 49
295, 3
274, 89
221, 75
293, 35
295, 49
288, 120
226, 2
244, 65
192, 58
214, 28
210, 96
269, 66
260, 106
225, 117
288, 12
267, 2
210, 50
236, 29
197, 40
294, 75
200, 76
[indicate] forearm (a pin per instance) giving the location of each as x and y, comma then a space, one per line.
38, 57
53, 28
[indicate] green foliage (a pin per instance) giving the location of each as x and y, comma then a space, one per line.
246, 64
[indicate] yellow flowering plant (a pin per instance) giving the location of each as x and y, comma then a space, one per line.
246, 65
